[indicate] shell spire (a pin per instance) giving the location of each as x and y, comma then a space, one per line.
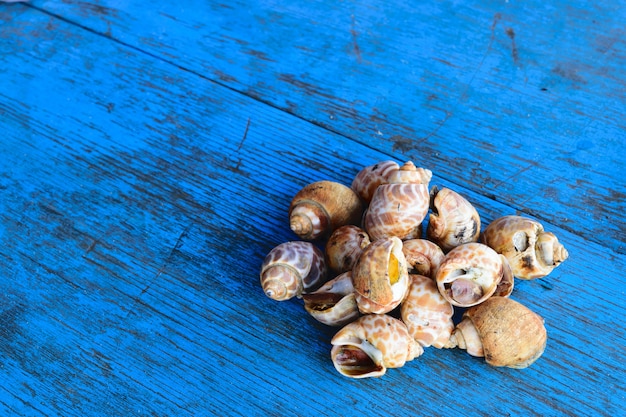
398, 208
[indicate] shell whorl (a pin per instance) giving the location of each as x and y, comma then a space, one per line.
320, 207
399, 207
397, 210
309, 220
292, 268
369, 178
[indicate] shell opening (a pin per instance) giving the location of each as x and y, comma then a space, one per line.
520, 241
322, 301
358, 361
465, 291
393, 269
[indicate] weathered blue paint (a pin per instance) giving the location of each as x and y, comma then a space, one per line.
138, 199
533, 90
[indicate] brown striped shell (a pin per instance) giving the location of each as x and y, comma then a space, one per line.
370, 345
422, 256
380, 276
344, 247
427, 315
292, 268
469, 274
453, 220
503, 331
321, 207
333, 303
370, 177
399, 207
532, 252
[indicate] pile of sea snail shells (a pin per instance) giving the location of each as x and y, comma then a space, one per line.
392, 292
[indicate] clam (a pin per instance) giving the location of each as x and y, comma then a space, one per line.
292, 268
469, 274
321, 207
398, 207
453, 221
380, 276
531, 252
427, 315
503, 331
370, 345
333, 303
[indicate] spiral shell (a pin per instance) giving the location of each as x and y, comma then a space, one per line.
380, 276
532, 253
370, 177
427, 315
321, 207
504, 331
453, 220
344, 247
399, 207
469, 274
292, 268
333, 303
370, 345
422, 256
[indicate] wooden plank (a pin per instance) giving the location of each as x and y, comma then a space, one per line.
534, 91
137, 203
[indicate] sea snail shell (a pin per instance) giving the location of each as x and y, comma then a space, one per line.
333, 303
371, 344
292, 268
380, 276
344, 247
502, 330
427, 315
453, 220
370, 177
422, 256
532, 253
321, 207
469, 274
399, 207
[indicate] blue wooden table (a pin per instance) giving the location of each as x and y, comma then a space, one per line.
150, 149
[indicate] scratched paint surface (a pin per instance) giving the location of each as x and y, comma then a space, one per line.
534, 91
137, 201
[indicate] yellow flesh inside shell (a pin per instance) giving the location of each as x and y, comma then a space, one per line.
393, 269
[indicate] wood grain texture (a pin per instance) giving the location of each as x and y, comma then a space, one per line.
533, 91
137, 201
